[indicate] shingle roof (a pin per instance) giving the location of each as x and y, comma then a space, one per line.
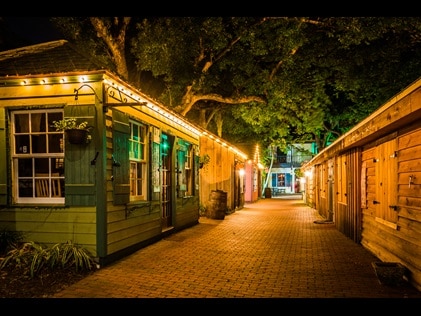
46, 58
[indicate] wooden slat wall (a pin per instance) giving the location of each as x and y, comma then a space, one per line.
353, 177
340, 192
310, 188
394, 235
51, 224
322, 184
219, 173
378, 191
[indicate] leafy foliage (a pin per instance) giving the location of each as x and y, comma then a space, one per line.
279, 79
69, 123
31, 258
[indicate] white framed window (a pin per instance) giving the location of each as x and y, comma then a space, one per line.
138, 161
185, 174
189, 158
37, 157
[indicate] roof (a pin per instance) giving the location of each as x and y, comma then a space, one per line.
55, 57
45, 58
251, 149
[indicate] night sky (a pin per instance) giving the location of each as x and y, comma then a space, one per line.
33, 30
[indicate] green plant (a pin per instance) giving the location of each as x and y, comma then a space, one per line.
69, 123
31, 258
69, 254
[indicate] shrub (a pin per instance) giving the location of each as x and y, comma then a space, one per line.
31, 258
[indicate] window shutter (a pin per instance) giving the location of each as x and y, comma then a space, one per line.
121, 162
3, 160
79, 172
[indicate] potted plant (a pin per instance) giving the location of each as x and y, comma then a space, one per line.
76, 133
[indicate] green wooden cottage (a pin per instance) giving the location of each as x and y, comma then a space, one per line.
131, 180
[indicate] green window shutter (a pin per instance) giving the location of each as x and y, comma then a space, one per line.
121, 162
3, 160
80, 185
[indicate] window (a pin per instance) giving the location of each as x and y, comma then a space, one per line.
189, 170
37, 157
138, 161
189, 158
185, 178
281, 180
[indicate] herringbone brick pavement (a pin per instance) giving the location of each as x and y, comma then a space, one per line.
271, 249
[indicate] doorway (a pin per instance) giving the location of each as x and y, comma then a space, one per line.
166, 183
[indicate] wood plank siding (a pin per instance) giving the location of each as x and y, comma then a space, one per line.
133, 182
377, 182
96, 210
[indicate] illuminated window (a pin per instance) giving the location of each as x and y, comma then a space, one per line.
281, 180
138, 161
37, 157
185, 178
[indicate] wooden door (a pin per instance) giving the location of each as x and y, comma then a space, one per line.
386, 182
166, 189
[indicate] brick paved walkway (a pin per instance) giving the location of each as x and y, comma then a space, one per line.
270, 249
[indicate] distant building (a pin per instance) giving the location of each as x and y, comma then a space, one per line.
282, 175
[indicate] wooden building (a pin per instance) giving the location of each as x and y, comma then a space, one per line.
368, 182
133, 180
253, 172
223, 171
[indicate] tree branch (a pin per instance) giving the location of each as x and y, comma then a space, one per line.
115, 44
183, 109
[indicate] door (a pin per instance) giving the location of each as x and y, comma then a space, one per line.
166, 189
386, 182
330, 195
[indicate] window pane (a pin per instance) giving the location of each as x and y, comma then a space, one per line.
142, 152
55, 143
58, 165
139, 170
42, 165
38, 122
139, 187
55, 116
132, 178
39, 143
25, 167
22, 123
25, 188
136, 150
22, 144
135, 131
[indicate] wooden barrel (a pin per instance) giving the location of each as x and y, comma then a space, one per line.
217, 204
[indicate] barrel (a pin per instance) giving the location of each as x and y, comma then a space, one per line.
268, 193
217, 204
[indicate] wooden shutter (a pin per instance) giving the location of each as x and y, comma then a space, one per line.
79, 172
121, 162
